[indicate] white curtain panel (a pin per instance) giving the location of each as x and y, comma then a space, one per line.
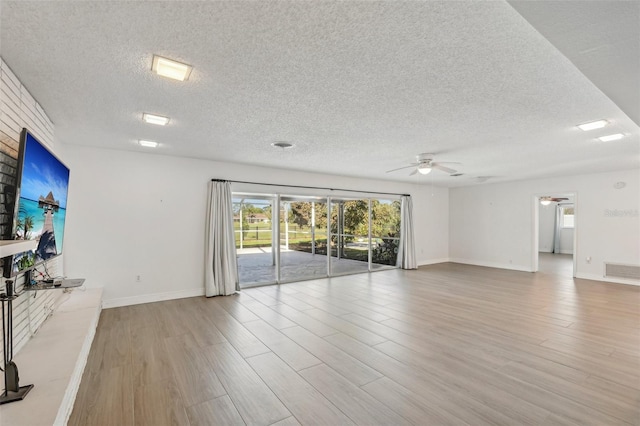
407, 247
221, 271
557, 229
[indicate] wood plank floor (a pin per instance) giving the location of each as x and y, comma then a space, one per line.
447, 344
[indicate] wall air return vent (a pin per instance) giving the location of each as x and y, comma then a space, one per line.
618, 270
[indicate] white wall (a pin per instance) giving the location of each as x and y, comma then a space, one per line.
143, 214
492, 225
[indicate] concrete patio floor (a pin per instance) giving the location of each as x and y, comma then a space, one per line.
255, 265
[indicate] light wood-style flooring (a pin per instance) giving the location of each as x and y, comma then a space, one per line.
447, 344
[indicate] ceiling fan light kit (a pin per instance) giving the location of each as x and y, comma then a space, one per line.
424, 164
424, 169
545, 201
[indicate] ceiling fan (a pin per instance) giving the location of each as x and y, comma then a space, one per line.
545, 201
424, 164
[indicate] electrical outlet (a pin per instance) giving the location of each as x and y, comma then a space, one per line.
138, 278
588, 259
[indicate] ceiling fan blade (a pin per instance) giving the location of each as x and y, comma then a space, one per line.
443, 168
400, 168
413, 172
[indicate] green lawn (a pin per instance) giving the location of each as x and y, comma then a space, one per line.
259, 235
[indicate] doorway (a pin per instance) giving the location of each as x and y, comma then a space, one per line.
555, 234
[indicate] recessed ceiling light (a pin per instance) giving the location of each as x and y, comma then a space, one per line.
171, 69
610, 138
148, 144
592, 125
283, 145
155, 119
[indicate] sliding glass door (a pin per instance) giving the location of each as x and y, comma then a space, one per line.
253, 228
285, 238
385, 233
303, 238
349, 236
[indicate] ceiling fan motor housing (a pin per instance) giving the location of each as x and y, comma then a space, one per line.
424, 158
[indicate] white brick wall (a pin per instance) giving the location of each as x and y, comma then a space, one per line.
19, 109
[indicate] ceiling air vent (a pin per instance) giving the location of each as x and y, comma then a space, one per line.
618, 270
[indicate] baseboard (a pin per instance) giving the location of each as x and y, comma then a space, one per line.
550, 252
432, 261
596, 277
491, 264
154, 297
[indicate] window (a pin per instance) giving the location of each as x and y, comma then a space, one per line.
568, 217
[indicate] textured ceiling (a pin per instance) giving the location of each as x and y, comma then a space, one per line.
359, 87
600, 37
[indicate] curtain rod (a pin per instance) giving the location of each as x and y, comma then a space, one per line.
311, 187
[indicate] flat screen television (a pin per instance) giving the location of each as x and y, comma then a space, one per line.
41, 205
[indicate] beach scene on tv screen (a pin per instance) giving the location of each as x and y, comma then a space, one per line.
42, 204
